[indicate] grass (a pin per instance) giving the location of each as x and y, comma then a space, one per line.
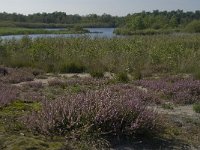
126, 31
168, 106
152, 54
196, 107
26, 31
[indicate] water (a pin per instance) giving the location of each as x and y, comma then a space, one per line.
101, 32
94, 33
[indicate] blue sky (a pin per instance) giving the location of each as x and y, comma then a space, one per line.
84, 7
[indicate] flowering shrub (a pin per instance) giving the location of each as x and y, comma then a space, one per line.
32, 96
17, 76
179, 90
34, 85
7, 94
114, 110
77, 81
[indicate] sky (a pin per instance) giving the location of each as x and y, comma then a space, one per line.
85, 7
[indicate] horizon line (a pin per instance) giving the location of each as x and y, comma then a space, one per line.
19, 13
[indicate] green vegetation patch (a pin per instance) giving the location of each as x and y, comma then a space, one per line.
196, 107
19, 108
26, 31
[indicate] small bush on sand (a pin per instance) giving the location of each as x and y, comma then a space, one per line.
73, 68
7, 94
97, 74
122, 77
196, 107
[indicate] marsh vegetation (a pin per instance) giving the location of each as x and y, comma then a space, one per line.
140, 92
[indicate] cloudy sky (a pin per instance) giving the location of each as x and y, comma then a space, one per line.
83, 7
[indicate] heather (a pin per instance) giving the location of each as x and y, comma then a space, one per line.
7, 94
93, 113
116, 110
177, 90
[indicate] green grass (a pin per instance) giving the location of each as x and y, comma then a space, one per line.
127, 31
196, 107
135, 55
168, 106
25, 31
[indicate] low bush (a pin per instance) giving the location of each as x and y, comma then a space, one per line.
178, 90
193, 27
97, 74
167, 106
117, 110
73, 68
57, 82
17, 76
8, 94
196, 107
122, 77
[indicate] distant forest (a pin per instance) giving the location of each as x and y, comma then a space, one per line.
57, 19
138, 21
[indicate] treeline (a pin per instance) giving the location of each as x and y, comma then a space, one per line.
60, 18
157, 21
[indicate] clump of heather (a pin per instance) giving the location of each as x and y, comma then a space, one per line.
17, 76
115, 110
78, 81
34, 85
8, 94
32, 96
179, 90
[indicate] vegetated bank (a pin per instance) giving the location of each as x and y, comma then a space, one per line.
155, 22
135, 55
159, 22
27, 31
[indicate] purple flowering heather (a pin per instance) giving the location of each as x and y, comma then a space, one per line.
179, 90
7, 94
114, 110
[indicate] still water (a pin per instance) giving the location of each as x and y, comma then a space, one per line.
94, 33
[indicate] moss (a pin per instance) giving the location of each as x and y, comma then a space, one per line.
196, 107
75, 89
18, 142
19, 107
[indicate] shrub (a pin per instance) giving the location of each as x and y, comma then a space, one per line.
74, 68
194, 26
35, 85
122, 77
57, 82
178, 90
17, 76
117, 110
97, 74
196, 107
32, 96
167, 106
7, 94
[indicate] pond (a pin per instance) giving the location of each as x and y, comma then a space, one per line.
94, 33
